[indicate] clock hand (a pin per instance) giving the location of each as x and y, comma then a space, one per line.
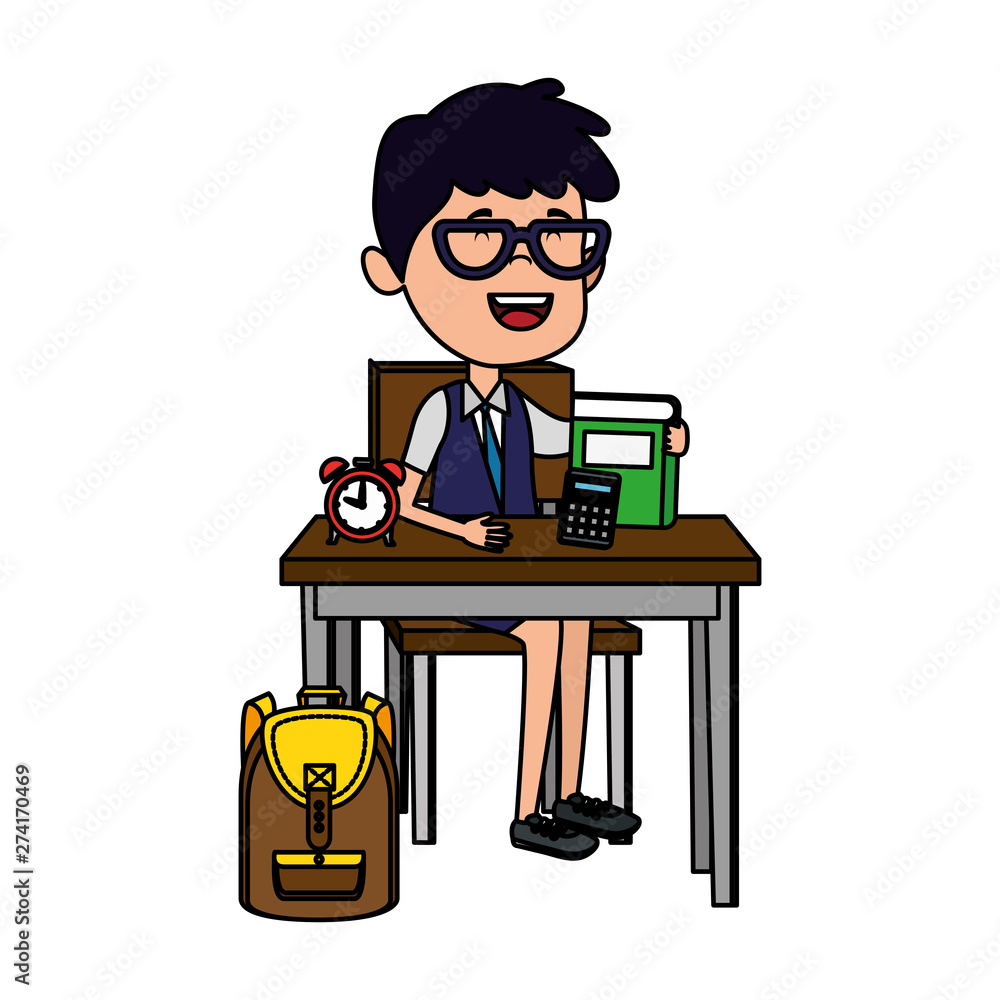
360, 501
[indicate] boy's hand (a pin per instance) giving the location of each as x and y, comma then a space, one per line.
482, 532
677, 439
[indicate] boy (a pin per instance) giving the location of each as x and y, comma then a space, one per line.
480, 210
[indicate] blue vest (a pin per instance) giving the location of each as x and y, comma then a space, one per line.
462, 484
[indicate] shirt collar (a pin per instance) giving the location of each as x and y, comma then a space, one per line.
472, 401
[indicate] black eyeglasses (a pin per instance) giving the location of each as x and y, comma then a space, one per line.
480, 248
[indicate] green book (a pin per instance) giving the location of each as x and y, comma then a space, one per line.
627, 433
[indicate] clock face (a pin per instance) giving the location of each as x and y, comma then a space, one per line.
362, 504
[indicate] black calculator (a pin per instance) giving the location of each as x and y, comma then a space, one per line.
589, 508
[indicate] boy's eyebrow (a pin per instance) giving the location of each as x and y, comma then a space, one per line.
481, 213
558, 212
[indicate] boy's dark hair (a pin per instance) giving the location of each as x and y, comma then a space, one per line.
514, 139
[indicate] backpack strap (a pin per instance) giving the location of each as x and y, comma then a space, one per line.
319, 780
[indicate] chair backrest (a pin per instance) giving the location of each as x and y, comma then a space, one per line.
397, 388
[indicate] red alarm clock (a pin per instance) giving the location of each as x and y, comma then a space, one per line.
362, 503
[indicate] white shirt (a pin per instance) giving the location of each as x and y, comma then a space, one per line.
549, 433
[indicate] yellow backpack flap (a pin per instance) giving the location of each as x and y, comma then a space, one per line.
297, 741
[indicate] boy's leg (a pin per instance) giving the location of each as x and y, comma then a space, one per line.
594, 816
574, 686
541, 641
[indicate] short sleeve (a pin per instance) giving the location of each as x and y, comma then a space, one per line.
427, 432
549, 433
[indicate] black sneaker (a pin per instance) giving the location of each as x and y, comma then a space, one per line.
545, 835
598, 817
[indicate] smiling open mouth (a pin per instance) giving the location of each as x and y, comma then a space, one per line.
520, 311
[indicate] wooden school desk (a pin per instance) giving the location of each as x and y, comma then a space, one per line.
690, 572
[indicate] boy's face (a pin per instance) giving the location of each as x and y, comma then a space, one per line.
517, 315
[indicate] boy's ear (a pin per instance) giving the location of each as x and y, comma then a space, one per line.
595, 276
378, 271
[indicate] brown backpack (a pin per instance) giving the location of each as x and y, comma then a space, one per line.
318, 810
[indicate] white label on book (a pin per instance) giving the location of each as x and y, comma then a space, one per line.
605, 449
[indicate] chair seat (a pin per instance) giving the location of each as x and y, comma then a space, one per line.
442, 636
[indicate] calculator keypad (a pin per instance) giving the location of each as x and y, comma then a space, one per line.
589, 523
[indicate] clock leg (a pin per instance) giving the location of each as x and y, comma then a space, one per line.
332, 540
388, 539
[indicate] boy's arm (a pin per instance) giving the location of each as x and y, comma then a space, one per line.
425, 438
549, 433
480, 530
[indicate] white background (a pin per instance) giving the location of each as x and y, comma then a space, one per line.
820, 378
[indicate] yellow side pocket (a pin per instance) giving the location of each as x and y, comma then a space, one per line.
382, 711
255, 712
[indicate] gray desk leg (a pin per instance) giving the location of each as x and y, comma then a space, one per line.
317, 649
723, 668
396, 692
619, 722
331, 650
346, 638
698, 695
423, 806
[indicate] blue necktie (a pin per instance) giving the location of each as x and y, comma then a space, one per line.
492, 453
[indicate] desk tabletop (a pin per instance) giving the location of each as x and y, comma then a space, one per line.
698, 549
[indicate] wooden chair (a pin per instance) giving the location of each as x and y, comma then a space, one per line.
412, 646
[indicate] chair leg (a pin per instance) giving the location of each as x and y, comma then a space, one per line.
619, 683
550, 772
398, 695
422, 682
